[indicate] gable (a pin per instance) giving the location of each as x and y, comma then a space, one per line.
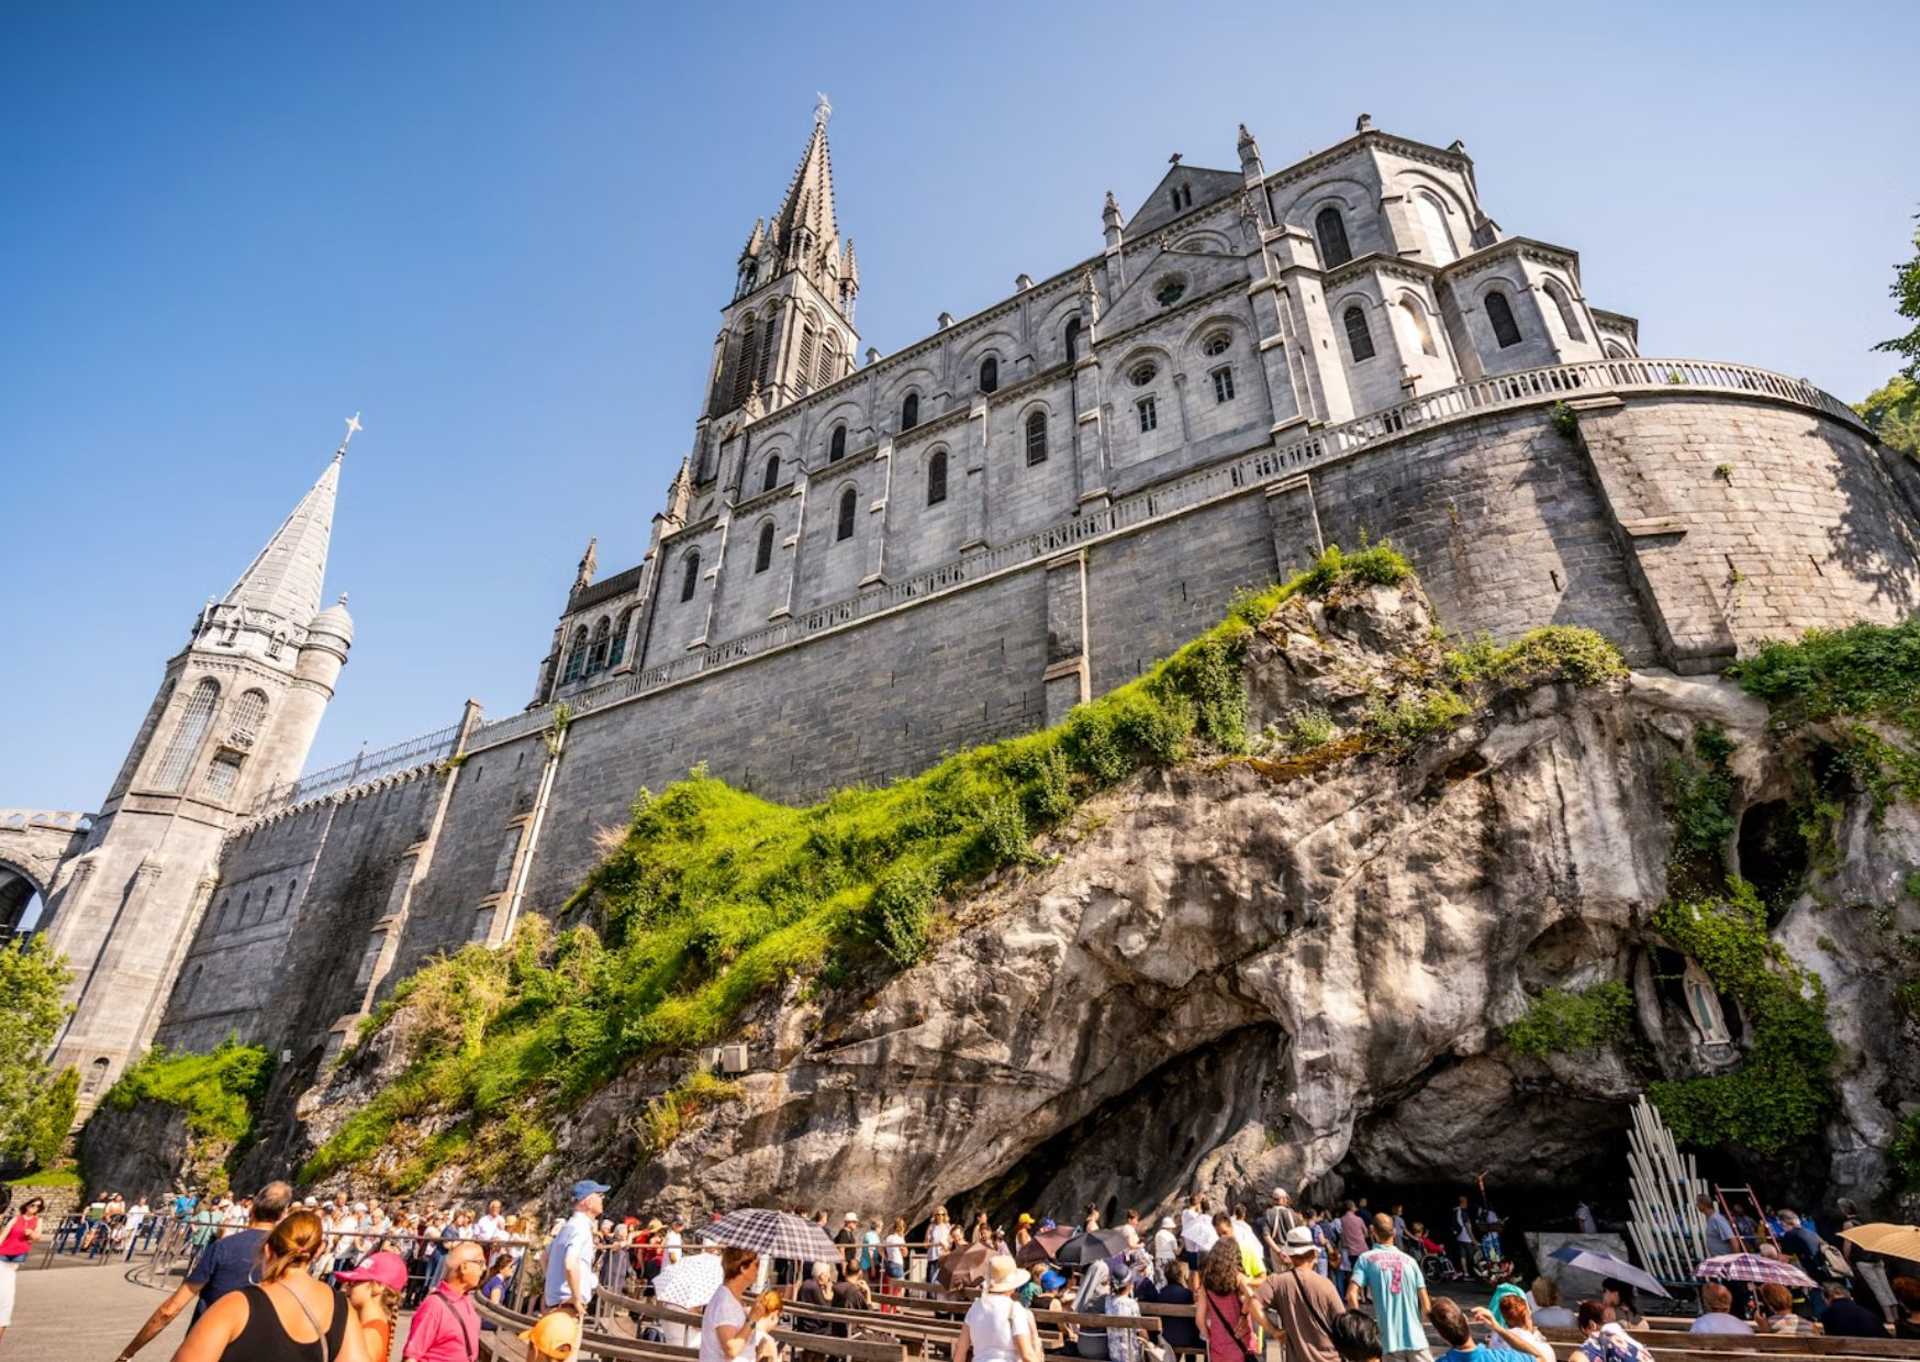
1206, 186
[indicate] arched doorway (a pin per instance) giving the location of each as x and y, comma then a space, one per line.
23, 905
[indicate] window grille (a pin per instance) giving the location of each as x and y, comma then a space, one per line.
803, 372
1216, 344
597, 655
1500, 313
576, 656
763, 554
618, 653
937, 478
1331, 228
772, 479
690, 576
223, 773
837, 446
1359, 339
910, 412
1149, 413
766, 354
194, 721
1036, 438
1223, 385
989, 374
844, 528
1143, 373
824, 373
248, 713
744, 366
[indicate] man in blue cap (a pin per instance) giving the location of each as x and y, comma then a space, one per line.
570, 1276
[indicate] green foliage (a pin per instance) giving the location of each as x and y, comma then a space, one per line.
1906, 998
1556, 652
1779, 1097
46, 1179
1700, 794
1561, 417
1401, 724
662, 1119
54, 1118
1560, 1021
33, 983
1892, 413
1906, 297
1307, 729
219, 1091
900, 912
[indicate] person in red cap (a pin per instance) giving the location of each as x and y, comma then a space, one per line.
373, 1290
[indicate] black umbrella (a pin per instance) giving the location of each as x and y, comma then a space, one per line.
1090, 1247
964, 1267
1041, 1247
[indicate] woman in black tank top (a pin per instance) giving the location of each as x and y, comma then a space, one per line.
288, 1317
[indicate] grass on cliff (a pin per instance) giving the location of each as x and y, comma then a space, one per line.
715, 896
220, 1092
1561, 1021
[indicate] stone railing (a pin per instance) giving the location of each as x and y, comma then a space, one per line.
401, 756
62, 820
1528, 387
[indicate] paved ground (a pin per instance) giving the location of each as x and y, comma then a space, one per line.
82, 1312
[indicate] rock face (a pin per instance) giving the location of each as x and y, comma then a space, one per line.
1232, 973
141, 1151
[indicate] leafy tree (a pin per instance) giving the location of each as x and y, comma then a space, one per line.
1892, 411
1906, 293
33, 980
54, 1118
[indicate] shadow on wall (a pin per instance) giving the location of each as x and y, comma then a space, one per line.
1872, 540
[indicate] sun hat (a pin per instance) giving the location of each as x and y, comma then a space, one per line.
587, 1187
1003, 1275
852, 1218
1166, 1222
554, 1334
388, 1269
1052, 1279
1024, 1219
1300, 1242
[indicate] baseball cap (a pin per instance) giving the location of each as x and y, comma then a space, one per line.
587, 1187
554, 1334
388, 1269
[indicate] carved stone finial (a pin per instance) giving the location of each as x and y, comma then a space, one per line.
589, 564
1364, 123
1089, 297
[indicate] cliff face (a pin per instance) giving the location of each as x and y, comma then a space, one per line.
1241, 971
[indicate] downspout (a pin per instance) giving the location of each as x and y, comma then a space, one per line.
556, 744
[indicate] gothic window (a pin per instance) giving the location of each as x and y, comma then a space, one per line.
194, 721
989, 373
97, 1075
1216, 344
266, 905
825, 372
772, 479
576, 656
1433, 221
1142, 373
240, 918
1170, 290
937, 478
763, 553
1500, 314
749, 357
1036, 438
1149, 412
1072, 338
690, 575
618, 653
1417, 327
1569, 316
223, 773
843, 528
1331, 228
287, 902
597, 654
803, 374
1359, 339
837, 445
766, 354
248, 712
1223, 385
910, 411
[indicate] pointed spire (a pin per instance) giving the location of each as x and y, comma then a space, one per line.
285, 577
805, 218
589, 564
850, 268
755, 239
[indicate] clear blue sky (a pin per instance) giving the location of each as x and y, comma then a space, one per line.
504, 232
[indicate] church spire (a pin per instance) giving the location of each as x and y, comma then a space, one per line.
805, 231
285, 577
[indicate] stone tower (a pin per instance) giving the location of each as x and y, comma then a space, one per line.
233, 720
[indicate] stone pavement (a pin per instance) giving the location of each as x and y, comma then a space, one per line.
83, 1312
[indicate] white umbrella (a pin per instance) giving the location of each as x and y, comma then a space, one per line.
691, 1282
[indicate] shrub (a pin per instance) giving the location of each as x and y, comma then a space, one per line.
900, 910
219, 1091
1559, 1021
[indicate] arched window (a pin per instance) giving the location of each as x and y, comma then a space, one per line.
767, 348
195, 719
1433, 222
828, 368
1359, 339
1331, 228
1615, 350
1500, 314
287, 903
803, 372
618, 653
249, 712
1417, 327
1072, 339
749, 358
910, 411
223, 774
989, 373
690, 575
1216, 344
597, 654
1036, 438
843, 527
576, 656
97, 1075
772, 479
763, 552
266, 905
1569, 315
837, 445
937, 478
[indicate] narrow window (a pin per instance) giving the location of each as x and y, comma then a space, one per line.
989, 373
223, 774
597, 654
1359, 339
248, 712
1417, 325
744, 366
824, 373
1569, 316
193, 724
763, 554
97, 1074
1149, 413
803, 372
1433, 221
937, 478
1072, 337
690, 576
287, 902
620, 632
910, 412
844, 528
1500, 313
766, 354
1223, 385
576, 656
772, 479
837, 446
1036, 438
1331, 228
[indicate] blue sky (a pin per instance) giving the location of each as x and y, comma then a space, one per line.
504, 233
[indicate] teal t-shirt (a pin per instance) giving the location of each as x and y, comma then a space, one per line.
1394, 1281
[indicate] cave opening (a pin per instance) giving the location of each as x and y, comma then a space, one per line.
1773, 855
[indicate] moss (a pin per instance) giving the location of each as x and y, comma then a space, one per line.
1559, 1021
47, 1179
662, 1120
1903, 1155
219, 1091
1700, 793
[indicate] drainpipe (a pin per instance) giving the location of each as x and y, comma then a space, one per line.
555, 747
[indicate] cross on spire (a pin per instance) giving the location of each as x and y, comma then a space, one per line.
353, 428
822, 107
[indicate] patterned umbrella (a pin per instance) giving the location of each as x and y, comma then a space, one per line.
1606, 1265
691, 1282
1751, 1267
774, 1234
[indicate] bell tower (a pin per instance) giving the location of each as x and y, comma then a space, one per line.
233, 720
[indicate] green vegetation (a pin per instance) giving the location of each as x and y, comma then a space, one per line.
1892, 413
33, 980
1560, 1021
1700, 793
1779, 1097
54, 1118
1561, 417
667, 1115
219, 1092
1906, 297
47, 1179
1904, 1155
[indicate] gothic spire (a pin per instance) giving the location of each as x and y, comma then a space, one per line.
805, 225
286, 576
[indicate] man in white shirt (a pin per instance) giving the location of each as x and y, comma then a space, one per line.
675, 1241
1197, 1234
492, 1226
570, 1277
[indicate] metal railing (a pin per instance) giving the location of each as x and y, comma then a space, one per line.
1527, 387
401, 756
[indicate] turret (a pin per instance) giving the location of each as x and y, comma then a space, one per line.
1111, 220
1250, 165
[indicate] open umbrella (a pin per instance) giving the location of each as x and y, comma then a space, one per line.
1896, 1241
691, 1282
964, 1267
1751, 1267
1606, 1265
1042, 1247
1090, 1246
773, 1234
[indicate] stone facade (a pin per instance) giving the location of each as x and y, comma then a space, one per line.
860, 568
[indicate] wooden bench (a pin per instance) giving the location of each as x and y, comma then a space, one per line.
1668, 1342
